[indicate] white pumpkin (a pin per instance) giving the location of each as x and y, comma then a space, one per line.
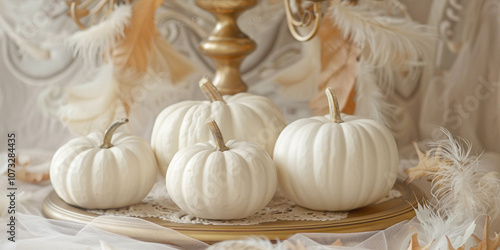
104, 171
214, 180
336, 163
243, 116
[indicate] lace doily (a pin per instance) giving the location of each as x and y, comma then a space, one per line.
159, 205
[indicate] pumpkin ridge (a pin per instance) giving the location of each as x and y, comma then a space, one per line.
100, 166
304, 171
237, 125
390, 141
264, 168
317, 152
187, 190
60, 170
211, 167
75, 170
342, 170
256, 165
291, 192
137, 162
242, 169
203, 157
257, 116
329, 170
114, 163
363, 181
266, 104
159, 135
194, 113
382, 166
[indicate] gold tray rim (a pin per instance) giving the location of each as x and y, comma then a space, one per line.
386, 214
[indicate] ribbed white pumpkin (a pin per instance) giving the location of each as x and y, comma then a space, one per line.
243, 116
96, 173
335, 165
214, 180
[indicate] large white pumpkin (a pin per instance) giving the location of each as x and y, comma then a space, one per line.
243, 116
104, 171
215, 180
336, 164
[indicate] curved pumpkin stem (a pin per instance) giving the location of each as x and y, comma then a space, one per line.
219, 140
106, 141
333, 104
210, 91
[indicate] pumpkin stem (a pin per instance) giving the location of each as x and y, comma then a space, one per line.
210, 91
334, 106
106, 141
219, 140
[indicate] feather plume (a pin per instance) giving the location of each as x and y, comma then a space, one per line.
384, 40
338, 68
100, 38
133, 51
92, 105
436, 229
370, 99
463, 192
139, 69
460, 185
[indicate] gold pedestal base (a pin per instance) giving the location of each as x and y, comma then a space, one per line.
373, 217
227, 45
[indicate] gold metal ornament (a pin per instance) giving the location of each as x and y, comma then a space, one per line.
306, 17
227, 45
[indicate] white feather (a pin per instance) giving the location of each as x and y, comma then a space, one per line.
460, 185
463, 193
385, 40
93, 105
370, 99
435, 227
97, 39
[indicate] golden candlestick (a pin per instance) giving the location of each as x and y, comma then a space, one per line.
227, 45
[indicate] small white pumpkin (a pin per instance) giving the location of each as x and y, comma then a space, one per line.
336, 163
104, 171
214, 180
243, 116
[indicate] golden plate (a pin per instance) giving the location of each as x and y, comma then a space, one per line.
369, 218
